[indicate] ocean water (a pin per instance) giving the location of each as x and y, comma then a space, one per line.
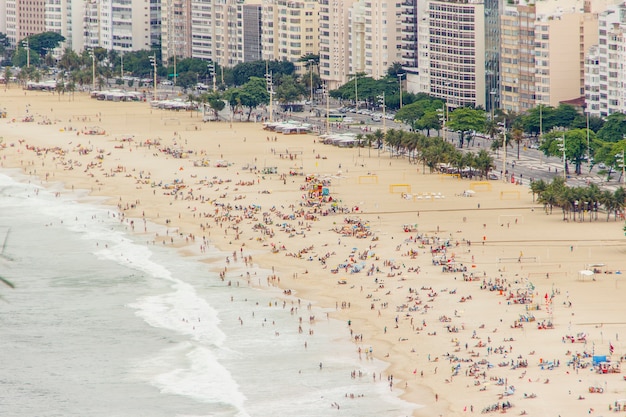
102, 324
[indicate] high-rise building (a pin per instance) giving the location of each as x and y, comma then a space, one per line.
216, 31
408, 29
517, 59
290, 30
24, 18
605, 74
175, 29
493, 10
250, 26
382, 41
543, 50
334, 36
456, 52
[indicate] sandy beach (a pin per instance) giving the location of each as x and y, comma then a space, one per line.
476, 300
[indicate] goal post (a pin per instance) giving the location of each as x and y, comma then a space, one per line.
368, 179
509, 195
480, 186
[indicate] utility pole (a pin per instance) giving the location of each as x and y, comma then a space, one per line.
356, 90
174, 69
93, 69
620, 158
153, 60
211, 68
327, 91
311, 61
562, 148
400, 85
26, 44
270, 90
381, 100
504, 153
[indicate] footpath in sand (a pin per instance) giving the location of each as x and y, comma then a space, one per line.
476, 300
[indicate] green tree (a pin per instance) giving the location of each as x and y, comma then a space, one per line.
575, 145
243, 72
484, 162
43, 43
4, 44
289, 90
614, 128
250, 95
465, 120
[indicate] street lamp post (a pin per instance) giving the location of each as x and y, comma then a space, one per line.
211, 68
588, 152
444, 111
93, 69
381, 100
562, 148
327, 91
122, 66
26, 44
356, 90
270, 90
175, 69
504, 152
153, 61
311, 61
620, 158
400, 85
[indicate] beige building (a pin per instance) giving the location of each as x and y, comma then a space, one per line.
175, 28
543, 48
334, 36
383, 41
24, 18
290, 30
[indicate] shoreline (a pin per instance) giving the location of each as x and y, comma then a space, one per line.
406, 346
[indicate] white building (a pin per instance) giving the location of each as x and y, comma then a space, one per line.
605, 72
290, 30
334, 36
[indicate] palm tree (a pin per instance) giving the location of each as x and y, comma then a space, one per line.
484, 163
359, 139
379, 135
538, 187
517, 136
607, 199
548, 199
369, 138
620, 200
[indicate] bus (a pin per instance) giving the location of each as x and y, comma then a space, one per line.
336, 117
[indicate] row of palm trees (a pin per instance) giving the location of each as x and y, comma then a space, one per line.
578, 202
432, 152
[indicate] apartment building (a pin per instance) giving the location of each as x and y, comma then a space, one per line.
456, 52
250, 26
334, 35
517, 58
382, 38
544, 44
290, 30
605, 74
176, 29
24, 18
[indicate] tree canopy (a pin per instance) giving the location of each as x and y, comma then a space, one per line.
465, 120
